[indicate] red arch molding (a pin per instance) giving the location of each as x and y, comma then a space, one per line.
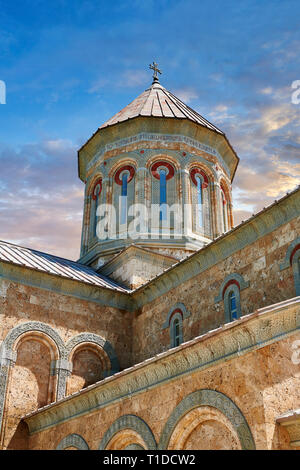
194, 172
297, 247
177, 310
224, 194
170, 168
98, 182
232, 281
120, 170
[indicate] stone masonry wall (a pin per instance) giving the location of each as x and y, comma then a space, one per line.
258, 263
32, 381
262, 383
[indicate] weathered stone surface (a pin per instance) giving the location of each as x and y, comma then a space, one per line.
259, 383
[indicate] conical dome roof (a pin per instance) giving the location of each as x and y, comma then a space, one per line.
156, 101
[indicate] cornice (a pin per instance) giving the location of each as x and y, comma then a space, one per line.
166, 126
249, 333
70, 287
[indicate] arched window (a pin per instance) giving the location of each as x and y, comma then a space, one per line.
124, 197
123, 177
292, 259
164, 195
95, 198
232, 303
176, 326
232, 306
224, 211
200, 202
174, 323
176, 329
296, 270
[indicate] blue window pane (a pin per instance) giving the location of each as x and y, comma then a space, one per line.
176, 327
163, 194
124, 198
200, 201
124, 184
232, 304
96, 218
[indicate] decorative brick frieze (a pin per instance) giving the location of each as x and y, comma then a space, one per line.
150, 137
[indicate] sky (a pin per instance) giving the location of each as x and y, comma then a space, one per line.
70, 66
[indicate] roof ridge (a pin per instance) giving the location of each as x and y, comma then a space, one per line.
161, 110
142, 106
41, 252
168, 104
51, 264
193, 111
145, 102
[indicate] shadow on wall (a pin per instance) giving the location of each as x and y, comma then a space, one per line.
19, 440
31, 385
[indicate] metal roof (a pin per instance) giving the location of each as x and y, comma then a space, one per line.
156, 101
50, 264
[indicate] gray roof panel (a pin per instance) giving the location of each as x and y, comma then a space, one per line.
44, 262
156, 101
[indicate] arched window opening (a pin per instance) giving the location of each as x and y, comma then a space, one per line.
163, 171
233, 306
123, 177
296, 270
123, 218
224, 211
200, 201
162, 194
96, 196
292, 259
232, 302
176, 329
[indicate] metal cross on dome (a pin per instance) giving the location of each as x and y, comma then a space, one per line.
155, 69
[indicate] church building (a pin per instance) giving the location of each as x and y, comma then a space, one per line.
175, 329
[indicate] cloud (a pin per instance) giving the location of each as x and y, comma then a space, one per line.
266, 138
186, 94
277, 116
41, 198
55, 76
133, 78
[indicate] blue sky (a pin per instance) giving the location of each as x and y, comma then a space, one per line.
69, 66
